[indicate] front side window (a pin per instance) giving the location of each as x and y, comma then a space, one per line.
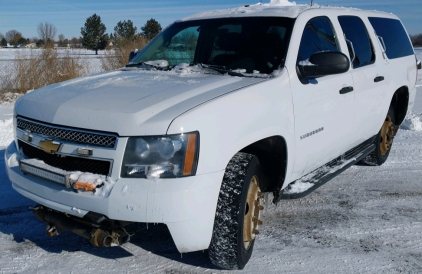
317, 36
359, 45
256, 45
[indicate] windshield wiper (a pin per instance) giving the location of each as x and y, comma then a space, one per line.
223, 70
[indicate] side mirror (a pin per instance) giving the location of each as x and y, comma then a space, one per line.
324, 63
419, 65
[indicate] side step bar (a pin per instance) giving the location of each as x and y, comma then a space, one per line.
322, 175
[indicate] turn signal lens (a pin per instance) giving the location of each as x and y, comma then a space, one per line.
190, 155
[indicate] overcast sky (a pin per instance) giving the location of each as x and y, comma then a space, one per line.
70, 16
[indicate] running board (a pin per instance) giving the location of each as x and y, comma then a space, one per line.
313, 180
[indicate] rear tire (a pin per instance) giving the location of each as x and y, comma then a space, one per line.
383, 141
237, 214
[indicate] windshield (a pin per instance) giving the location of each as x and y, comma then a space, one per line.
251, 45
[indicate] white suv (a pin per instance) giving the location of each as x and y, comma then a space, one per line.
218, 110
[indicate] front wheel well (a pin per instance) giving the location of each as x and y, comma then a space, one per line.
272, 156
399, 103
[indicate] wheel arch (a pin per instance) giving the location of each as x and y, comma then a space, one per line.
272, 154
399, 103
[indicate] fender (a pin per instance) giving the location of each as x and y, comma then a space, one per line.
229, 123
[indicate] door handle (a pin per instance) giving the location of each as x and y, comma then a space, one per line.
379, 79
346, 90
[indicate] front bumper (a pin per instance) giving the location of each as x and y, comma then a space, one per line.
186, 205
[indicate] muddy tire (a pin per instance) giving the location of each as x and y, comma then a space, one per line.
383, 141
237, 214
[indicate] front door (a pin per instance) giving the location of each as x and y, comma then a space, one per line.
323, 115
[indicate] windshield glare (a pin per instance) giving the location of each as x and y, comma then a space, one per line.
252, 44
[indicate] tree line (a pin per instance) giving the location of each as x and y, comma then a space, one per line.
93, 35
416, 40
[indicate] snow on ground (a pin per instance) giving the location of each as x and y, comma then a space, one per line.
366, 220
8, 56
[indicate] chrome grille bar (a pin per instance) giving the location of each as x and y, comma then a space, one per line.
67, 134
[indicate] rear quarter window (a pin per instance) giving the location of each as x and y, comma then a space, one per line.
395, 37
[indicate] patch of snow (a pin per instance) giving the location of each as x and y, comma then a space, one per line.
239, 70
183, 69
6, 129
76, 210
298, 187
281, 3
306, 182
103, 183
306, 63
158, 63
275, 7
41, 164
14, 159
413, 122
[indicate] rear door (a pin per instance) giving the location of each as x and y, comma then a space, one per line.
370, 77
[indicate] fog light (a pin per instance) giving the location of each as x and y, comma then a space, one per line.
84, 151
26, 137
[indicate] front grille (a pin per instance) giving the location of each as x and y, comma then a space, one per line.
71, 135
67, 163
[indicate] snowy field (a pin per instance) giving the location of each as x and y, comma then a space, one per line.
366, 220
8, 56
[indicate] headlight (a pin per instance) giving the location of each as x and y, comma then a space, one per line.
168, 156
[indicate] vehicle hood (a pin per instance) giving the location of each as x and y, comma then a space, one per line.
128, 102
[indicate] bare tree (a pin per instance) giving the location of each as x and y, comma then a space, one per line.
1, 36
61, 39
47, 32
13, 36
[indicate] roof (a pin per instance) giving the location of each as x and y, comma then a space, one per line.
276, 8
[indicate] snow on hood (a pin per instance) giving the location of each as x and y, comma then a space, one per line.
128, 102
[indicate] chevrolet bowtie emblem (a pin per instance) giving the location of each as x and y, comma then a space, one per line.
49, 146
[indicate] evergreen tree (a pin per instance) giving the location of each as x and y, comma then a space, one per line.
39, 43
3, 42
93, 34
125, 30
151, 29
22, 42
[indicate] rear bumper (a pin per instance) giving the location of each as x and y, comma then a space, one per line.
186, 205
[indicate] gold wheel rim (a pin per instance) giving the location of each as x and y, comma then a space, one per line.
387, 135
253, 206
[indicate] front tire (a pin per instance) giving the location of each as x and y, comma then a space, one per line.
383, 141
237, 214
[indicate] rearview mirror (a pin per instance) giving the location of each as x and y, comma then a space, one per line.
324, 63
132, 54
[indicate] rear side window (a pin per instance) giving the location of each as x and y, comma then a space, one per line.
358, 40
395, 38
317, 36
